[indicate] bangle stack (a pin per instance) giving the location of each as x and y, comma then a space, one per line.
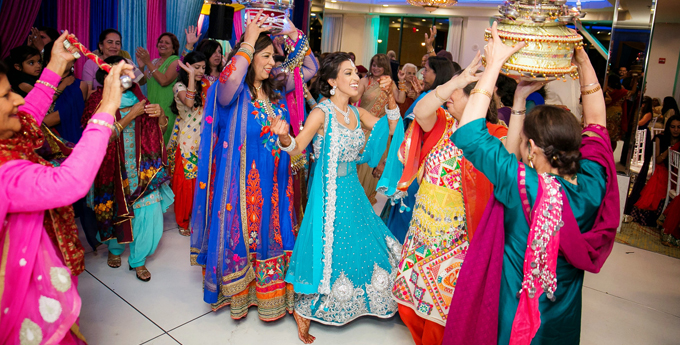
311, 102
245, 53
402, 86
48, 85
482, 91
103, 123
436, 94
518, 112
190, 94
392, 114
288, 148
592, 91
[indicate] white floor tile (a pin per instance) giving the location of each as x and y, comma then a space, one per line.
107, 319
219, 328
609, 320
162, 340
175, 293
640, 276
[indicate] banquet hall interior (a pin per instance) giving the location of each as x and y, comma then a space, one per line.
634, 299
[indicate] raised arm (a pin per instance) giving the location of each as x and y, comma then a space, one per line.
594, 109
426, 109
369, 120
191, 88
233, 75
519, 107
313, 125
24, 182
299, 54
496, 53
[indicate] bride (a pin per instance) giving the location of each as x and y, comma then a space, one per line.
345, 259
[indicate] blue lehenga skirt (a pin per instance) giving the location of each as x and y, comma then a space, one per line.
365, 256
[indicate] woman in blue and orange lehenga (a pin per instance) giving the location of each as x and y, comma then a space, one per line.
242, 220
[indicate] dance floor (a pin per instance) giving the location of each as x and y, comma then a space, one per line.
635, 299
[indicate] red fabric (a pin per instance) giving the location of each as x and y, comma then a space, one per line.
421, 144
74, 16
672, 221
184, 193
424, 332
655, 189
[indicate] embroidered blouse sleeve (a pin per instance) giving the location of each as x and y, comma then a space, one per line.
232, 79
32, 187
38, 101
489, 156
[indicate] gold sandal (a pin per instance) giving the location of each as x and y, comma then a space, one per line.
185, 232
113, 261
142, 271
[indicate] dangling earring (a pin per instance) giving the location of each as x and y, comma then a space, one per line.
333, 90
531, 161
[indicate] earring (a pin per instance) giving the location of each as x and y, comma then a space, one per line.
531, 161
333, 90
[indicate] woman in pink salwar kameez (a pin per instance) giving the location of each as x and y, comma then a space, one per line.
39, 301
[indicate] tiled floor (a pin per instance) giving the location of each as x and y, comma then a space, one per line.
634, 300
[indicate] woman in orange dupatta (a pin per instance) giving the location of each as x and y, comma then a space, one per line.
449, 205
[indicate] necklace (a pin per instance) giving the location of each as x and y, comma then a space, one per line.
267, 106
343, 113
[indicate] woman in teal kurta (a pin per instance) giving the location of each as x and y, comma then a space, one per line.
535, 212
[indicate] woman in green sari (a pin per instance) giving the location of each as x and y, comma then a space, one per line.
161, 75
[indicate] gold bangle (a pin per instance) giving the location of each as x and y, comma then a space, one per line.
436, 94
119, 126
482, 91
167, 121
48, 85
589, 85
589, 92
102, 123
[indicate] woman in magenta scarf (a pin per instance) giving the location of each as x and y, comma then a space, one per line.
39, 299
551, 219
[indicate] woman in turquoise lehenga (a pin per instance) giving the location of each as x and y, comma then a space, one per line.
345, 258
550, 221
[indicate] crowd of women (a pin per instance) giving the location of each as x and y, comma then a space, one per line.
274, 189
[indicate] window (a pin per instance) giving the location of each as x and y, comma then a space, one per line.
406, 36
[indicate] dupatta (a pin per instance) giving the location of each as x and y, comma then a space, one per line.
113, 199
478, 286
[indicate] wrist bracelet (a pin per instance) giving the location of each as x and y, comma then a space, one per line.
436, 94
48, 85
392, 114
589, 92
430, 51
119, 127
311, 103
102, 123
518, 112
288, 148
589, 85
482, 91
248, 44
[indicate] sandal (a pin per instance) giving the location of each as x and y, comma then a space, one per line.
185, 232
141, 271
113, 261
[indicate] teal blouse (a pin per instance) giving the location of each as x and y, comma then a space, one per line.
560, 320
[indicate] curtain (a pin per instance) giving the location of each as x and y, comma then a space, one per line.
455, 37
47, 16
18, 17
131, 26
156, 19
331, 33
181, 14
74, 16
371, 29
103, 15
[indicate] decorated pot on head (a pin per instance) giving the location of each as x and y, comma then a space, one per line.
275, 10
549, 43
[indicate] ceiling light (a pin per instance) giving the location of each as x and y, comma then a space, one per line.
379, 41
422, 44
334, 0
385, 5
423, 19
432, 5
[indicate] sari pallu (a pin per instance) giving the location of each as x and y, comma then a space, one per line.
478, 289
113, 199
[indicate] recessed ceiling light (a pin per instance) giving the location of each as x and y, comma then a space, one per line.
379, 41
385, 5
334, 0
424, 19
422, 44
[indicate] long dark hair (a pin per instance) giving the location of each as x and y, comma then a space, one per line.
666, 137
52, 33
382, 61
506, 87
646, 106
100, 76
668, 104
558, 133
329, 70
173, 39
20, 54
183, 78
269, 85
443, 70
208, 48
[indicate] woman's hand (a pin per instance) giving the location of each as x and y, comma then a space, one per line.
401, 75
254, 27
429, 40
60, 56
188, 68
280, 127
469, 75
418, 85
385, 83
192, 34
35, 40
580, 57
497, 52
137, 109
526, 88
143, 56
154, 110
113, 91
291, 31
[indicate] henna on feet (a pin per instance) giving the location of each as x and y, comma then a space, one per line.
303, 328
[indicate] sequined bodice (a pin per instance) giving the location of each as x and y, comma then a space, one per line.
350, 142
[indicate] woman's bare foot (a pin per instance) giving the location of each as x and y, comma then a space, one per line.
303, 329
